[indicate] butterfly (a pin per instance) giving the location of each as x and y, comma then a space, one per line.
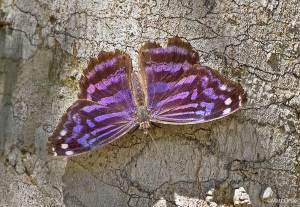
171, 88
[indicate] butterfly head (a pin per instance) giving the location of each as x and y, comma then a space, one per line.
143, 118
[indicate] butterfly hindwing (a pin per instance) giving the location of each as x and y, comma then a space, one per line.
87, 125
105, 109
183, 92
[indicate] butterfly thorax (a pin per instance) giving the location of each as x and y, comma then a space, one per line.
143, 117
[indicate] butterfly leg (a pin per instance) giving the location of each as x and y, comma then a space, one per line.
134, 129
145, 126
155, 125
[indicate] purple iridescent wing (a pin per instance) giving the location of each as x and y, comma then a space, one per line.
105, 109
180, 91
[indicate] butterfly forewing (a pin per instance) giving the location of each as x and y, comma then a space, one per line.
161, 68
182, 92
107, 80
105, 109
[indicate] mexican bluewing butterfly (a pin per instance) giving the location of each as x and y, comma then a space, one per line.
172, 88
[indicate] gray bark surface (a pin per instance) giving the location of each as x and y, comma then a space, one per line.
44, 46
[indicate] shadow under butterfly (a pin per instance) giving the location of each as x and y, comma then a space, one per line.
171, 88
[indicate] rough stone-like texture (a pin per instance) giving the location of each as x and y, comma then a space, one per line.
43, 49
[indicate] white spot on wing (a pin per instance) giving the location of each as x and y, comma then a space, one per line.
226, 111
69, 152
223, 87
54, 154
53, 149
63, 132
64, 146
74, 117
228, 101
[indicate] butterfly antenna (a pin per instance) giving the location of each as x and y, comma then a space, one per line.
157, 149
154, 142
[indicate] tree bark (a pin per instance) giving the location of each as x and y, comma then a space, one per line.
43, 49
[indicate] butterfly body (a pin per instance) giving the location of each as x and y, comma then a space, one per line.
143, 117
172, 88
